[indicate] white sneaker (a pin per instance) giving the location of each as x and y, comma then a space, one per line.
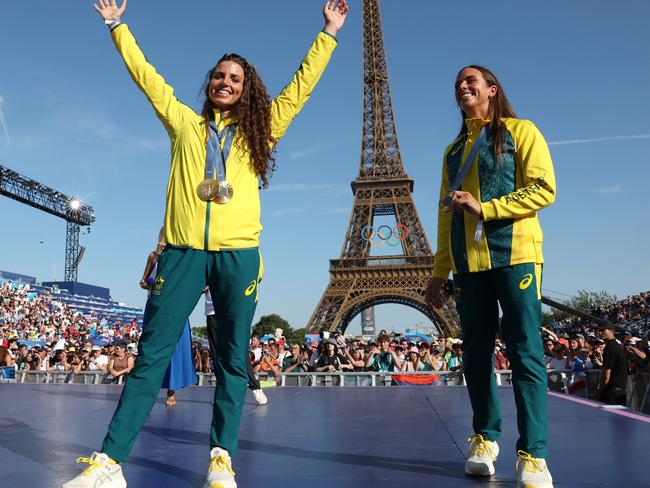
102, 472
481, 455
532, 472
220, 474
260, 397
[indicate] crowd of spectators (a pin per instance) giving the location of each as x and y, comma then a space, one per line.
68, 342
39, 333
631, 313
336, 353
29, 316
578, 344
115, 359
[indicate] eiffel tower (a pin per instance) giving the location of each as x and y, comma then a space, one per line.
382, 188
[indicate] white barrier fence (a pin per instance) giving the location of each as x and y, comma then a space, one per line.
638, 388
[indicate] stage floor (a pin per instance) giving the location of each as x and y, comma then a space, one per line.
316, 437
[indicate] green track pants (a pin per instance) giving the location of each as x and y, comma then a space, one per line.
517, 289
182, 274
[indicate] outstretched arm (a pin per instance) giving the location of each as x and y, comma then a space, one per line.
169, 110
294, 96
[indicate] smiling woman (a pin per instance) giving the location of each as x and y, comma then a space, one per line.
497, 174
212, 227
234, 88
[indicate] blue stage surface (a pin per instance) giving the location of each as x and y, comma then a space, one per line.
316, 437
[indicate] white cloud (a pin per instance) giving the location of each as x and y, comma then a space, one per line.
317, 147
2, 121
303, 153
599, 139
339, 210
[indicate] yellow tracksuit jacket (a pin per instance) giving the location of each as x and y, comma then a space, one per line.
511, 193
189, 221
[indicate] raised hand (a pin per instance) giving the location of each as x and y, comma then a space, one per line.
334, 14
109, 9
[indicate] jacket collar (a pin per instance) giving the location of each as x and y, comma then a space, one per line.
223, 122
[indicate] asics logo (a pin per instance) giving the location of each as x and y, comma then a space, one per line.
251, 288
525, 283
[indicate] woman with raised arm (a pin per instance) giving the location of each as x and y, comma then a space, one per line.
497, 174
212, 225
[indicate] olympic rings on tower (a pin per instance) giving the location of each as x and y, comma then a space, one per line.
385, 233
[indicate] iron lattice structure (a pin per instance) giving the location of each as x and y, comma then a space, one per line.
382, 188
37, 195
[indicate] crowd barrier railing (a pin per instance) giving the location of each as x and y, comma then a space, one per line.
638, 388
448, 378
364, 378
82, 377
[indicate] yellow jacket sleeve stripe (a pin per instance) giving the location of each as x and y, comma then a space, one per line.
537, 188
167, 107
294, 96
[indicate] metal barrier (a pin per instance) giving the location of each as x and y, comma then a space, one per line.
83, 377
448, 378
638, 393
638, 389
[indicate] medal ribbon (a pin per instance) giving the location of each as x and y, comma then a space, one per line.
469, 161
213, 147
478, 233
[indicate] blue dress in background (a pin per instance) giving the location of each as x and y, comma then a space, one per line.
181, 371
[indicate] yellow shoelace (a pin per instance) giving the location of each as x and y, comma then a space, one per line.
483, 448
92, 465
221, 463
531, 464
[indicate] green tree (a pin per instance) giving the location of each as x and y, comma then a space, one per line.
297, 335
583, 301
201, 330
268, 323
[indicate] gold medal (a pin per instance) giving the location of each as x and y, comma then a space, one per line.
207, 189
224, 193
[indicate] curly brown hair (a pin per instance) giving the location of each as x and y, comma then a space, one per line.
254, 112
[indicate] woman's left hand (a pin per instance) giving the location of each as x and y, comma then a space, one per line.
334, 15
463, 200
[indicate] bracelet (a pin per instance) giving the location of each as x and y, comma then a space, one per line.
113, 23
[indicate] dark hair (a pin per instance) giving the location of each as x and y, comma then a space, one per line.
499, 107
254, 112
383, 338
4, 354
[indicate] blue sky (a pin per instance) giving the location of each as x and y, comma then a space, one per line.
72, 119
